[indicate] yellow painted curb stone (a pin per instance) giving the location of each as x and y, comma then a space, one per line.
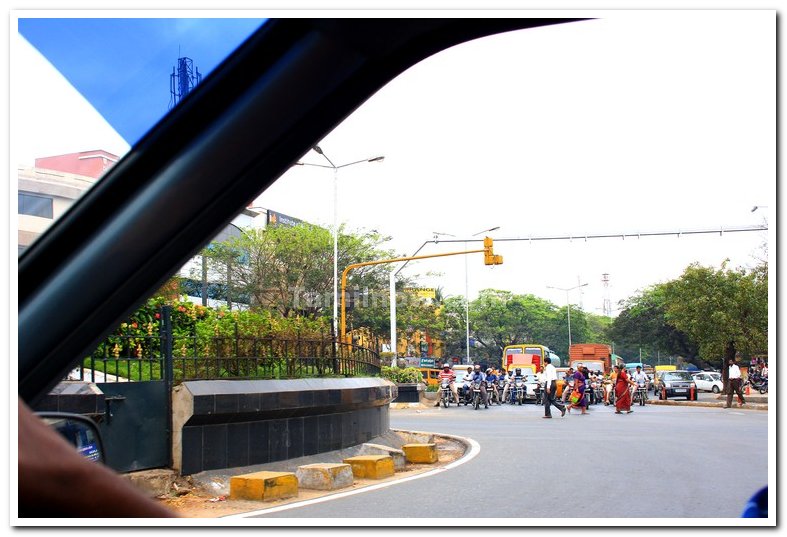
420, 453
263, 486
371, 466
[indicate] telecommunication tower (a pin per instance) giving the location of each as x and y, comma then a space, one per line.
607, 302
183, 79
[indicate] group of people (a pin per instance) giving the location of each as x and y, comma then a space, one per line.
576, 393
476, 374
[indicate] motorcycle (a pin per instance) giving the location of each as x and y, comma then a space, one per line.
640, 394
758, 383
609, 393
477, 396
598, 391
446, 397
491, 394
501, 387
519, 391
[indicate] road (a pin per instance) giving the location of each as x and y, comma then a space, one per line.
659, 461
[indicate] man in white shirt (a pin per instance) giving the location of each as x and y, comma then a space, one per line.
734, 375
550, 389
640, 377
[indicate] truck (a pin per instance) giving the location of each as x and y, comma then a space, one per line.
594, 356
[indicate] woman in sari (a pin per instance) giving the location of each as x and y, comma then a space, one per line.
579, 386
622, 392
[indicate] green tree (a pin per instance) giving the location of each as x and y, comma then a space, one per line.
290, 268
500, 318
642, 326
725, 311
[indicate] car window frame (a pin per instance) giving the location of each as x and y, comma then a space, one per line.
161, 202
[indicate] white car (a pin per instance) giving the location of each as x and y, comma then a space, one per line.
708, 382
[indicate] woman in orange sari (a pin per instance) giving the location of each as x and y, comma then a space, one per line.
622, 392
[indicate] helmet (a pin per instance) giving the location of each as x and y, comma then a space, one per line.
446, 365
489, 370
518, 371
477, 367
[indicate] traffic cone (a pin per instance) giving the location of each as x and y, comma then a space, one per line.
748, 390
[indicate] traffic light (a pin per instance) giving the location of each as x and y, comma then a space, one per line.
489, 257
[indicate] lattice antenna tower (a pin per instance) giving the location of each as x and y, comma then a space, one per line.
607, 303
183, 79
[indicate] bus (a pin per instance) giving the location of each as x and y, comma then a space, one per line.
529, 355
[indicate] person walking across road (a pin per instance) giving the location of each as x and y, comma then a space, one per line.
550, 389
734, 374
580, 382
622, 392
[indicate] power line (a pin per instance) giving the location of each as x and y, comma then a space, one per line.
623, 235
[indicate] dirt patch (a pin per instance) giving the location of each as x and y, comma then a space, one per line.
191, 499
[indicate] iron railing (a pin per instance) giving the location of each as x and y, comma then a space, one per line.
130, 357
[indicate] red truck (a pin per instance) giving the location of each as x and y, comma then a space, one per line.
594, 356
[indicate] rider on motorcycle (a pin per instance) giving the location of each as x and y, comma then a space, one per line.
478, 376
492, 379
641, 378
466, 380
512, 378
448, 374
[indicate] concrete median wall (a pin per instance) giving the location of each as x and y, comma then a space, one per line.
227, 424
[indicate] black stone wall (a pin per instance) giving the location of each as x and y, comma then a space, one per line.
241, 423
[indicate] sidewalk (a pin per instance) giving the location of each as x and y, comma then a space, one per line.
206, 494
753, 402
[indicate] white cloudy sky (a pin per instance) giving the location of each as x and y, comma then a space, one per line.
641, 120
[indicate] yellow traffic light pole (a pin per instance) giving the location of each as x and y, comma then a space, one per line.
489, 259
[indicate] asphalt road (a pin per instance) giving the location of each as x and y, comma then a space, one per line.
659, 461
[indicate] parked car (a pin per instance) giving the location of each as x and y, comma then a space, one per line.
708, 382
677, 384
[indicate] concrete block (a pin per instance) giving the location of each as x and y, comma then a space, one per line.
263, 486
417, 438
371, 466
324, 476
420, 453
152, 482
378, 449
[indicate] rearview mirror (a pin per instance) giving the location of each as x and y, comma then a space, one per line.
79, 431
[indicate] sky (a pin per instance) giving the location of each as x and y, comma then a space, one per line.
636, 121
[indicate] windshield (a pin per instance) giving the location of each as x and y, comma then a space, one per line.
677, 375
101, 84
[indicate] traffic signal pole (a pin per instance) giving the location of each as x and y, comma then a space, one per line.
489, 258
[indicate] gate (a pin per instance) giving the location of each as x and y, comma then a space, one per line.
136, 425
135, 428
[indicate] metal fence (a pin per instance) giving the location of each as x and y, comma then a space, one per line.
127, 357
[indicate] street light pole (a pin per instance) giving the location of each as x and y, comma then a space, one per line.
335, 169
568, 306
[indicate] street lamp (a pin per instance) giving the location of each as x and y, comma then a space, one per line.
467, 297
568, 305
336, 169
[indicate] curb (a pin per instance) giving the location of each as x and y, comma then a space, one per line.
748, 406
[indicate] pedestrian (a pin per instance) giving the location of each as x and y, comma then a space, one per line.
577, 397
622, 392
734, 376
550, 389
568, 387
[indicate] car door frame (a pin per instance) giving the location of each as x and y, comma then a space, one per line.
249, 121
